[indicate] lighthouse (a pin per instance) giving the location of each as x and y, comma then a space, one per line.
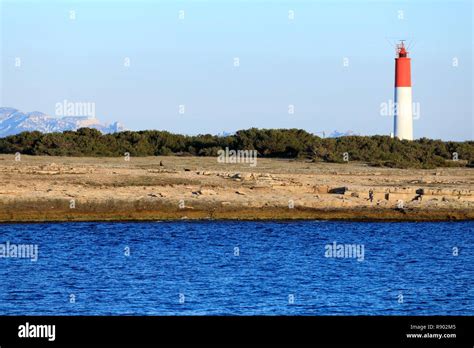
403, 120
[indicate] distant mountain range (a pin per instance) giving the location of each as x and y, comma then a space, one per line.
337, 134
13, 121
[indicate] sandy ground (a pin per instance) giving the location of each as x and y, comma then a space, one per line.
40, 188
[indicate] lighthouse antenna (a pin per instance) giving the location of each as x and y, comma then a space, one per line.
397, 43
402, 44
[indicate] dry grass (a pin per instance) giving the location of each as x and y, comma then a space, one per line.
40, 188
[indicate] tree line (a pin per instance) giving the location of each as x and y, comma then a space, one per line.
280, 143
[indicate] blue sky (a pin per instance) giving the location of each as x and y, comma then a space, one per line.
283, 62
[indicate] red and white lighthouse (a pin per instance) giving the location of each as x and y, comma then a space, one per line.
403, 122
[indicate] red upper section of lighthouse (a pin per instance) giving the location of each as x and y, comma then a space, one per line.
402, 52
402, 67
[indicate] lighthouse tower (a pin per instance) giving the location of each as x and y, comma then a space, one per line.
403, 122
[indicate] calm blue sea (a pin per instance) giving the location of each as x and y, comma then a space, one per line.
239, 268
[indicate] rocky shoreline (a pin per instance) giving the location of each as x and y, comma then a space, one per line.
41, 188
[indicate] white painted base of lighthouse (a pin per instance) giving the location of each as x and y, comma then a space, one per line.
403, 126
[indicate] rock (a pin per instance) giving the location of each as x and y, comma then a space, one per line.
320, 189
50, 166
248, 176
420, 191
156, 194
402, 190
46, 172
338, 190
259, 187
206, 192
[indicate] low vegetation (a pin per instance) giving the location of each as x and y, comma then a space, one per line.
281, 143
